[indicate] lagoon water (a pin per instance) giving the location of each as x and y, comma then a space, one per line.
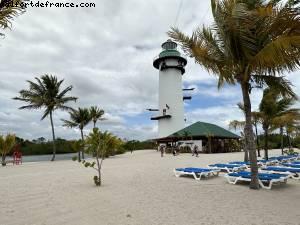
40, 158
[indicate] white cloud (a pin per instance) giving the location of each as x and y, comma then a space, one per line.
106, 53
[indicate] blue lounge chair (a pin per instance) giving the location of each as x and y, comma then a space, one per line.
268, 162
245, 163
293, 172
228, 167
294, 165
284, 158
266, 180
197, 173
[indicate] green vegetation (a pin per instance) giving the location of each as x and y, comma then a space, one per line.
100, 145
8, 10
96, 114
251, 44
6, 145
78, 118
36, 147
272, 111
46, 93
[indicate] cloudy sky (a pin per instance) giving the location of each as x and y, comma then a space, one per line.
106, 53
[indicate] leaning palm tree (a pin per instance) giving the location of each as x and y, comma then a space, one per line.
274, 108
251, 42
96, 114
78, 118
8, 10
46, 93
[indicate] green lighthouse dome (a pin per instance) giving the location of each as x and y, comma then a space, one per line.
170, 52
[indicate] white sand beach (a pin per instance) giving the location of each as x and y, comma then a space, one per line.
139, 189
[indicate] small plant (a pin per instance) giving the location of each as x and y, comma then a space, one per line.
98, 144
6, 144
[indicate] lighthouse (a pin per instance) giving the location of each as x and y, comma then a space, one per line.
171, 65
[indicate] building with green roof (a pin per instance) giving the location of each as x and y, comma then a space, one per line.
213, 138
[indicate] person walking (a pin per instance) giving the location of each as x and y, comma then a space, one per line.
195, 151
161, 148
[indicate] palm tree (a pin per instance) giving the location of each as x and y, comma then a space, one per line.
96, 114
273, 110
78, 118
46, 93
250, 43
288, 120
8, 10
6, 144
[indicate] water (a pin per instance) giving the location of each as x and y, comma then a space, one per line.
40, 158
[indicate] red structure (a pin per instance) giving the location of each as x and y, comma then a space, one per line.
17, 155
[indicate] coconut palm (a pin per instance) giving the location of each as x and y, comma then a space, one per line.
78, 118
273, 111
6, 144
46, 93
250, 44
289, 121
8, 10
96, 114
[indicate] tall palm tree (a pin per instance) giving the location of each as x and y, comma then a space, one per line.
8, 10
78, 118
96, 114
46, 93
251, 42
273, 109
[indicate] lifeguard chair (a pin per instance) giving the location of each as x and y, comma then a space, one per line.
17, 156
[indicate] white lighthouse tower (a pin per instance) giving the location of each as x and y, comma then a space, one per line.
171, 65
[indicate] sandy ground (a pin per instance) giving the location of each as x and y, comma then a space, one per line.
140, 189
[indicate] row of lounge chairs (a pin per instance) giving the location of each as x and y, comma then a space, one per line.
276, 170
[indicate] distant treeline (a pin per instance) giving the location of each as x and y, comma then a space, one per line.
41, 146
275, 141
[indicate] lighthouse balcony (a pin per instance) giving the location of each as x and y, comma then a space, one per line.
161, 117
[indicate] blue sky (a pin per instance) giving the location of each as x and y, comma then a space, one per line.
106, 54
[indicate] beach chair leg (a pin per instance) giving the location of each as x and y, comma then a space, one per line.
176, 173
195, 176
231, 181
264, 186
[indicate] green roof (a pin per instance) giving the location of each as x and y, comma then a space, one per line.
201, 129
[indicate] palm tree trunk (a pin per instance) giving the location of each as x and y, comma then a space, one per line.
246, 153
82, 138
99, 169
281, 136
53, 137
3, 160
257, 141
289, 139
94, 124
266, 134
249, 136
209, 145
